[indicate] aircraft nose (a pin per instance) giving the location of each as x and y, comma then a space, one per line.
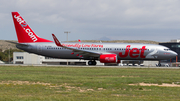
174, 53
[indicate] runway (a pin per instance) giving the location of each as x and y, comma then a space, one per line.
87, 66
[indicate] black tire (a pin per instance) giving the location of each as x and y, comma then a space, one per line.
90, 62
94, 62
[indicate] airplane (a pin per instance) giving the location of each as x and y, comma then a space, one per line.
103, 52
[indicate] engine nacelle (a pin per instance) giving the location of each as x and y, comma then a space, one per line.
108, 58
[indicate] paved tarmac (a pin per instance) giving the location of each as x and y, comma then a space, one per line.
90, 66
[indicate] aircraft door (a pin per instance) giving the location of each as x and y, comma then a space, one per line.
157, 52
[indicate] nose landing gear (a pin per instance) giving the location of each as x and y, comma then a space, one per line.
159, 64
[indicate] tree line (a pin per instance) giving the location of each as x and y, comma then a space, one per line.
7, 55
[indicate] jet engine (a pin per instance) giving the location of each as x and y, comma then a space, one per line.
108, 58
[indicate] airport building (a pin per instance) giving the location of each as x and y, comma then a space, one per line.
30, 59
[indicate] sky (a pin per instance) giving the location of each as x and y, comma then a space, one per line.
156, 20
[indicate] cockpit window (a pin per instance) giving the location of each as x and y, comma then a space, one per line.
166, 49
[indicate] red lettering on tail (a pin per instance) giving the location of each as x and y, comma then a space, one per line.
24, 33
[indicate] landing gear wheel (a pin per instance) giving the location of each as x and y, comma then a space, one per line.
159, 65
92, 62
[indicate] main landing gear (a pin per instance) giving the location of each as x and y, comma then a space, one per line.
92, 62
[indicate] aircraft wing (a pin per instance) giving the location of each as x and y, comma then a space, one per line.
79, 51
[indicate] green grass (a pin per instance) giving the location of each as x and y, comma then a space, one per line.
18, 83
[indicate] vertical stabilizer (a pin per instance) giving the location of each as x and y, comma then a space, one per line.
24, 33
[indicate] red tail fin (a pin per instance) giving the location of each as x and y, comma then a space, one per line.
24, 33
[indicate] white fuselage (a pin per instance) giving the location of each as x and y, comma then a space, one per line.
124, 51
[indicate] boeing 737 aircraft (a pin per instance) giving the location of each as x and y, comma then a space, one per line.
103, 52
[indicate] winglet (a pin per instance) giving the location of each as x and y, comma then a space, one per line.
56, 41
79, 40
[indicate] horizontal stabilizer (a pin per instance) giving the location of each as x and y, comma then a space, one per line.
17, 43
